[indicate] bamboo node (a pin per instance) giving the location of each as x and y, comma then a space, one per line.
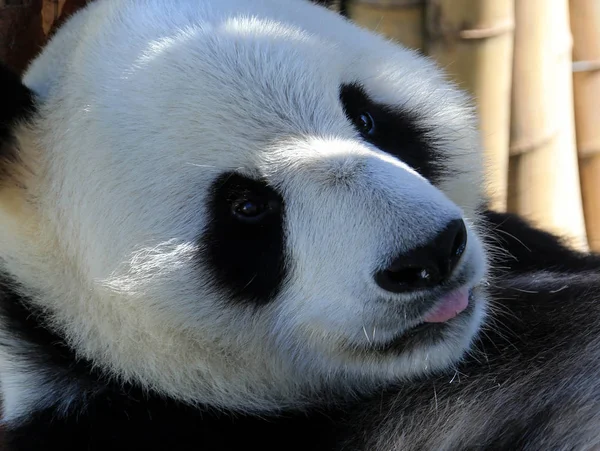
437, 29
498, 29
526, 145
586, 66
588, 151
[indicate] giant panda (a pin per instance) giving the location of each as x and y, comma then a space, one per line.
250, 224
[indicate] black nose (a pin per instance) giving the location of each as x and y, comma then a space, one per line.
428, 265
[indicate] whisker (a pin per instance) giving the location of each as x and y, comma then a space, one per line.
366, 335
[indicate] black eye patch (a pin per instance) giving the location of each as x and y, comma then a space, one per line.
394, 131
243, 243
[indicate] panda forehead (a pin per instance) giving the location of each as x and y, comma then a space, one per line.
270, 64
245, 48
280, 88
268, 79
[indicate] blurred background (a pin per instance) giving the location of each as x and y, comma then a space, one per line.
532, 67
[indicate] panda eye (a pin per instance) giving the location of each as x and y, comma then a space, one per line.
251, 210
365, 123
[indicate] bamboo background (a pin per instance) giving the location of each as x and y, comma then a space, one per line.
532, 66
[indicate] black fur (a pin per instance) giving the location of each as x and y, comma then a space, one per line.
17, 104
526, 373
531, 248
245, 259
121, 420
396, 132
342, 5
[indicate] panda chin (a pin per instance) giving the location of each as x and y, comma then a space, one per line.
429, 333
424, 334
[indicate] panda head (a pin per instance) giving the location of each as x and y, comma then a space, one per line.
243, 203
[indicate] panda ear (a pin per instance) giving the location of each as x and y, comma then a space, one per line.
17, 106
340, 6
326, 3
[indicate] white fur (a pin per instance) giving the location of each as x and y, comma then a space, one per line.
143, 104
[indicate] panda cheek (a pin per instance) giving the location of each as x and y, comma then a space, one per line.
243, 259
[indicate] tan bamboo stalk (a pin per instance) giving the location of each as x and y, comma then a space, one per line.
544, 175
585, 27
51, 10
473, 41
401, 20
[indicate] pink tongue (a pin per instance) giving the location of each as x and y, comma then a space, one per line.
449, 306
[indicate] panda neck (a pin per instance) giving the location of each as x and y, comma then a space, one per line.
44, 382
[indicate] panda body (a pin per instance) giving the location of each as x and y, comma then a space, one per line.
236, 224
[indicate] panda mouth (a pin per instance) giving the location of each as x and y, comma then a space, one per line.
449, 306
434, 326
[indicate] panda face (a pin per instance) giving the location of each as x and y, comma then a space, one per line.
243, 203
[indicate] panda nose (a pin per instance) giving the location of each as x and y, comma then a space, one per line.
426, 266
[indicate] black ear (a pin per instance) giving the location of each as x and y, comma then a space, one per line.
16, 105
326, 3
337, 5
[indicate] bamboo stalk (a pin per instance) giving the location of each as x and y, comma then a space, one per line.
401, 20
543, 173
56, 12
473, 40
50, 13
585, 26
